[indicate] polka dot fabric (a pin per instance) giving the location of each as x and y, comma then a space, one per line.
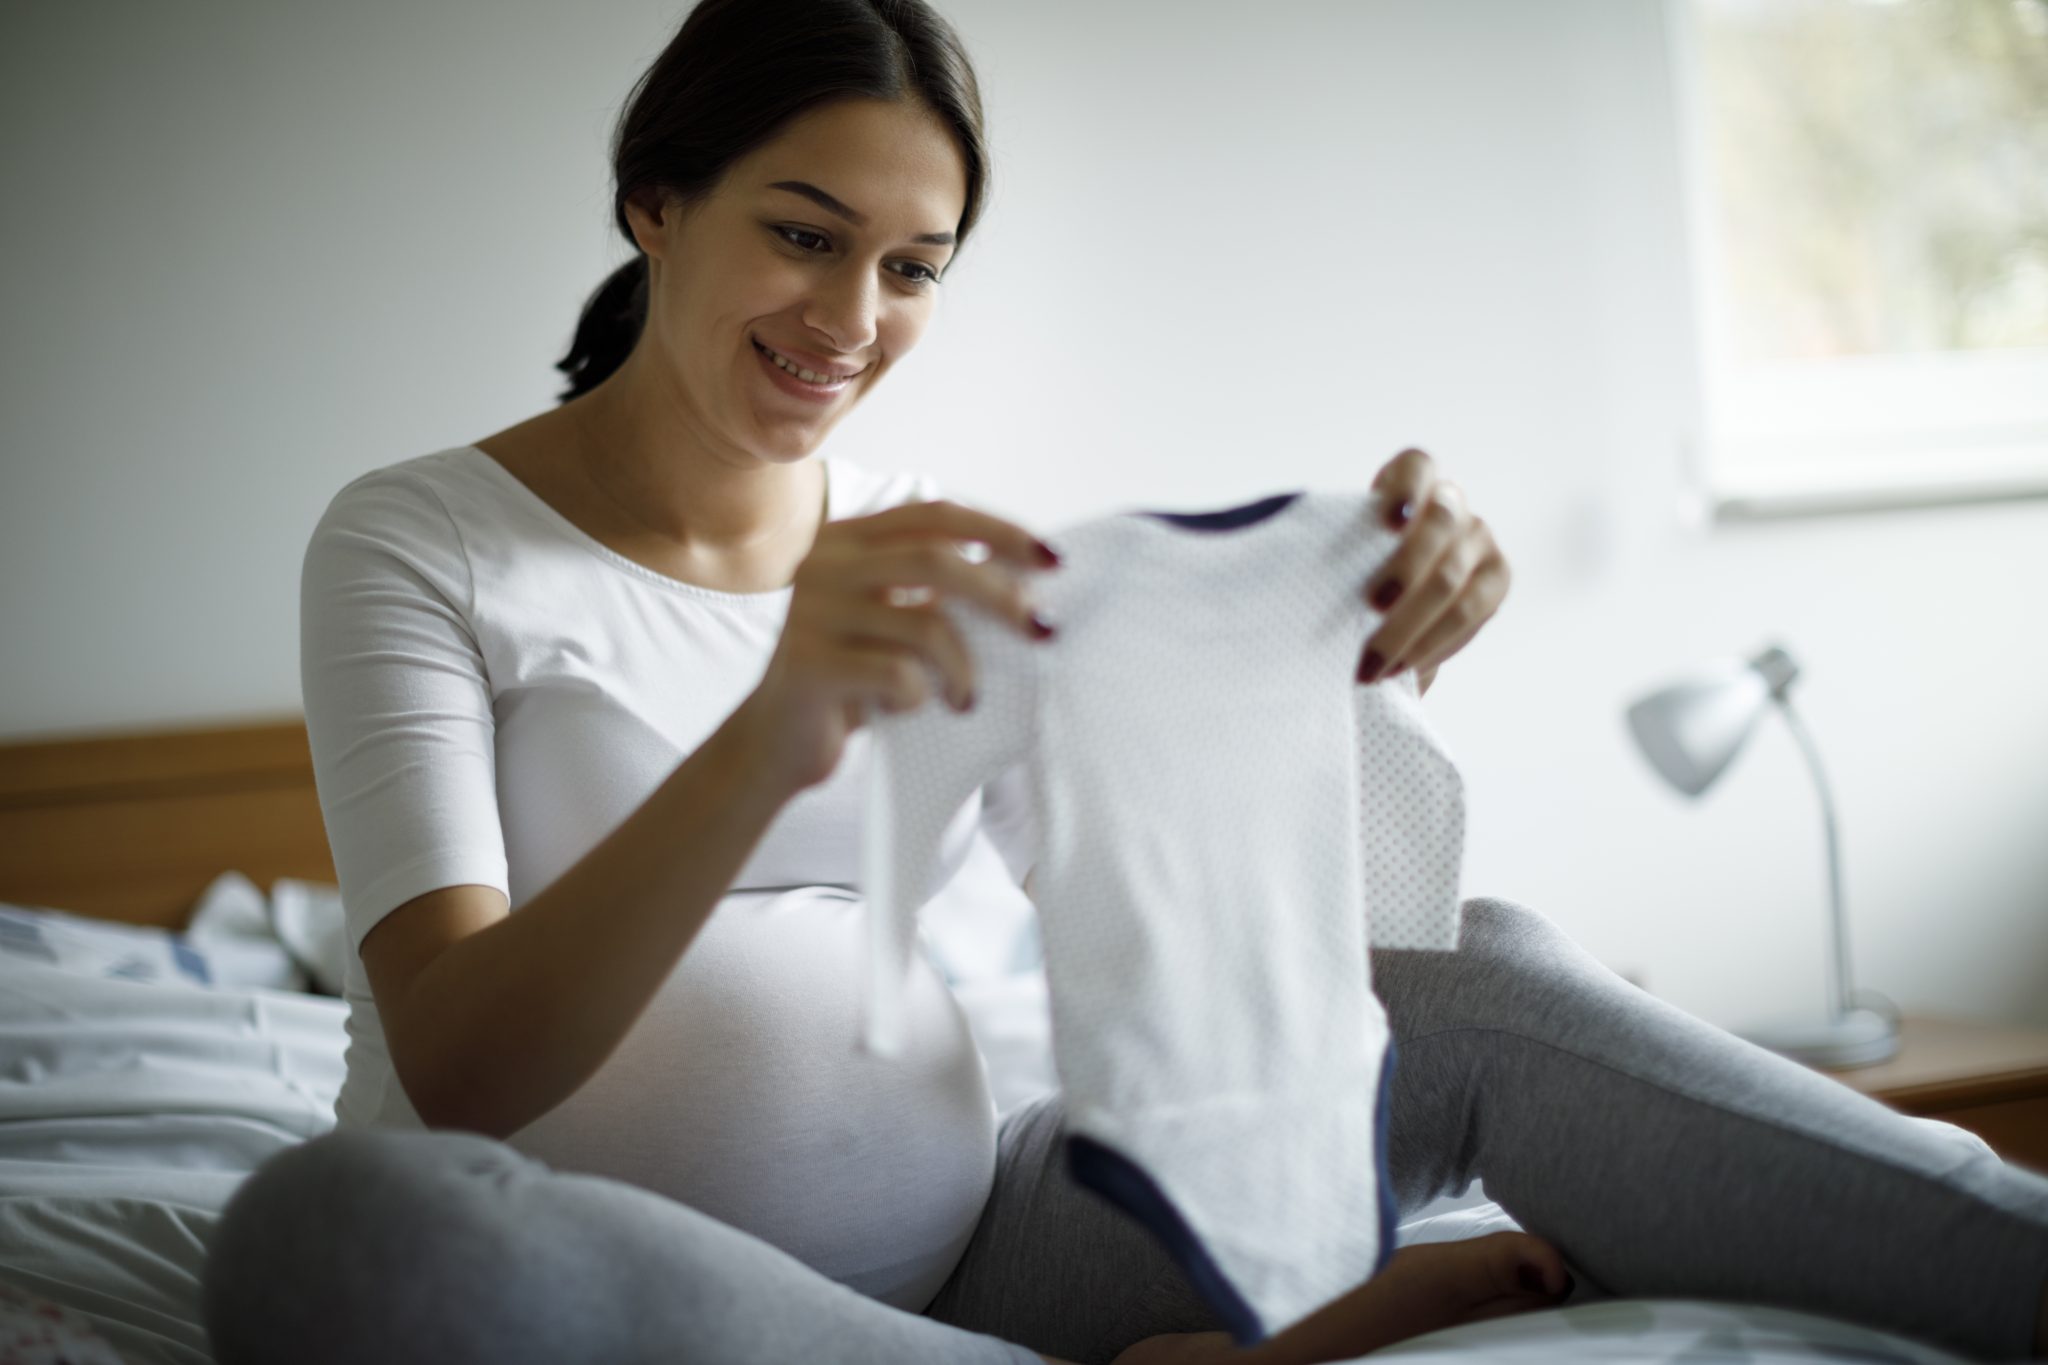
1225, 821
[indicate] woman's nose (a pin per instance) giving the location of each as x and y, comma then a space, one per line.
843, 308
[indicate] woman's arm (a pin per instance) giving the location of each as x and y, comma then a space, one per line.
493, 1019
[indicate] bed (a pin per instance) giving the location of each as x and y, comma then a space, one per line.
170, 944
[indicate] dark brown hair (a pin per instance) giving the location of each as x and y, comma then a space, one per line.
735, 72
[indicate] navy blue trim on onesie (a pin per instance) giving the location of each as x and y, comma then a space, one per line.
1123, 1183
1230, 517
1389, 1210
1115, 1177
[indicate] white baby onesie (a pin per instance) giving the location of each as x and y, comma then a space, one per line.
1225, 820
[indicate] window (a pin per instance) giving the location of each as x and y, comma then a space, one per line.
1868, 186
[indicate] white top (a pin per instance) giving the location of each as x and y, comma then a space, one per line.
489, 692
1225, 823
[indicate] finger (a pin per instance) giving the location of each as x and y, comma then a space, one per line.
1437, 562
1424, 543
1459, 623
1428, 658
933, 564
922, 630
889, 678
943, 516
1403, 484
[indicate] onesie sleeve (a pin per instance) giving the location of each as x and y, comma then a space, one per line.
1008, 815
1412, 828
1010, 819
924, 766
398, 706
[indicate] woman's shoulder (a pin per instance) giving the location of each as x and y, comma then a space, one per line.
421, 478
412, 518
443, 496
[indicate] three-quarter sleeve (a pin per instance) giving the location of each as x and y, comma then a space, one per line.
397, 699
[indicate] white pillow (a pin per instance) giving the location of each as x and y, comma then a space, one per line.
306, 917
99, 948
231, 929
290, 941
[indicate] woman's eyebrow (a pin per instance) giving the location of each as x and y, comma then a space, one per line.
831, 205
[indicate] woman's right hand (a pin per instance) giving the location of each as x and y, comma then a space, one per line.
864, 625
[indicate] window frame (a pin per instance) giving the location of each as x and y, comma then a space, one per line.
1887, 430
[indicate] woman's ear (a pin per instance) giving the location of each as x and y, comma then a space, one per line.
650, 213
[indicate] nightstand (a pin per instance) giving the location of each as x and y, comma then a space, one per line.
1989, 1078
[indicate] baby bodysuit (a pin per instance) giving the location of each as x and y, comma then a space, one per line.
1226, 819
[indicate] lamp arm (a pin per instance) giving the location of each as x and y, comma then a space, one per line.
1840, 995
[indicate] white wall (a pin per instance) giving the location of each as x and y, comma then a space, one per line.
253, 250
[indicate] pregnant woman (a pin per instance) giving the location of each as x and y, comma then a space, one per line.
586, 701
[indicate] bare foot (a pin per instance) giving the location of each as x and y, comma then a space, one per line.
1424, 1287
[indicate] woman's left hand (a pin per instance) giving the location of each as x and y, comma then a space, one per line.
1443, 581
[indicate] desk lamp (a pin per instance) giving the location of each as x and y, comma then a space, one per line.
1690, 731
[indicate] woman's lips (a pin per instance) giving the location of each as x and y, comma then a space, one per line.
797, 388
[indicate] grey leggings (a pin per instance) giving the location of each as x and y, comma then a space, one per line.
1663, 1156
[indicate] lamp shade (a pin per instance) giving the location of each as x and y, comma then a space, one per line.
1693, 728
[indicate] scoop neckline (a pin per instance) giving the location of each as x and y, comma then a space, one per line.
626, 563
1233, 522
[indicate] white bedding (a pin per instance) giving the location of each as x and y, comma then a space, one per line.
133, 1104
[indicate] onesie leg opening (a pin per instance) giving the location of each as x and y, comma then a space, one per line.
1125, 1184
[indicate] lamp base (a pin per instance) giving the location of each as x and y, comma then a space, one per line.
1859, 1038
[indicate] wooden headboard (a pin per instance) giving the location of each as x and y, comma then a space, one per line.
133, 826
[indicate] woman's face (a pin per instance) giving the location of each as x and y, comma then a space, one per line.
821, 245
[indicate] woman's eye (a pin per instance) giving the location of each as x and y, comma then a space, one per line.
925, 274
791, 235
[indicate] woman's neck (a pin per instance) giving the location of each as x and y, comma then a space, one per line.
644, 451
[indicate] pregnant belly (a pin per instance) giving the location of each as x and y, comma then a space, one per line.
742, 1092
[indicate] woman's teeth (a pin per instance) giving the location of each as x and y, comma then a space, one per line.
809, 377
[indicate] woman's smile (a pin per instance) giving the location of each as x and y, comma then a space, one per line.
788, 375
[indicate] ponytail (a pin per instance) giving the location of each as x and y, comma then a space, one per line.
608, 329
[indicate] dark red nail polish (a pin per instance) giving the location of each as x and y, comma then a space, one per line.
1402, 513
1047, 555
1387, 594
1369, 668
1041, 627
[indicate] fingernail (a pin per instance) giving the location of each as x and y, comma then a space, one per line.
1570, 1285
1369, 667
1402, 512
1041, 627
1532, 1280
1387, 594
1047, 555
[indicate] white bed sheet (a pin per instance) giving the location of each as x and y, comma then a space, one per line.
131, 1110
129, 1113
